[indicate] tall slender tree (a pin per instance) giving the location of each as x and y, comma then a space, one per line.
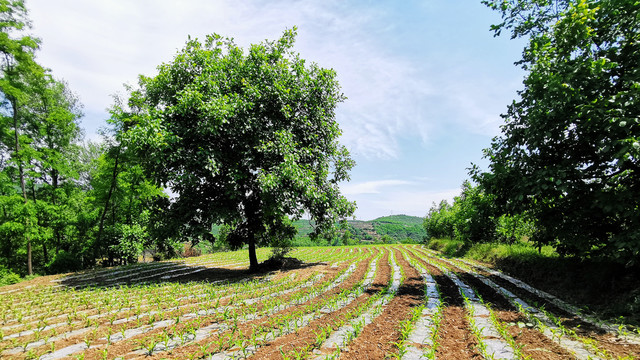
18, 71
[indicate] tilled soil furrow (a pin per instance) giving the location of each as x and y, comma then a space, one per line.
579, 347
420, 342
455, 339
491, 342
186, 317
67, 297
538, 339
66, 334
311, 336
531, 342
593, 340
97, 317
353, 305
234, 336
342, 334
376, 341
566, 307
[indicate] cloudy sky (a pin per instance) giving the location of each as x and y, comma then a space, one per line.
426, 81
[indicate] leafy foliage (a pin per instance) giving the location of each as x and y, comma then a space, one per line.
569, 154
440, 221
53, 189
244, 138
473, 218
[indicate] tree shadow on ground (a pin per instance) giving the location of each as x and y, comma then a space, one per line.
608, 290
151, 273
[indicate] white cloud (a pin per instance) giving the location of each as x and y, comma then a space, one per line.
394, 196
101, 45
420, 89
371, 187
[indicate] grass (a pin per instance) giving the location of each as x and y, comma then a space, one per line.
448, 247
608, 290
519, 252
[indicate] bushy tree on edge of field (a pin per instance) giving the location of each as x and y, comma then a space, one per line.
569, 153
244, 138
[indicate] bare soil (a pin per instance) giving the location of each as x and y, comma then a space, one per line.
377, 339
306, 337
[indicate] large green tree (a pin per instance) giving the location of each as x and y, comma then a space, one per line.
569, 153
243, 138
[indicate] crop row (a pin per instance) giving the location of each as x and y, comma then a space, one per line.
398, 301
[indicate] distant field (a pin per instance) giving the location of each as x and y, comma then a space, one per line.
358, 302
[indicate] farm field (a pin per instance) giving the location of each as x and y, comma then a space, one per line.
352, 302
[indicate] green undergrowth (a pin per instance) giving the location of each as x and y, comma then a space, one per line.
448, 247
608, 290
8, 277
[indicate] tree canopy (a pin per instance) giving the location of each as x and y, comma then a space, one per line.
569, 153
243, 138
64, 205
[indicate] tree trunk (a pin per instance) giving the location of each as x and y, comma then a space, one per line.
106, 203
253, 259
22, 186
129, 215
45, 252
513, 231
56, 231
29, 263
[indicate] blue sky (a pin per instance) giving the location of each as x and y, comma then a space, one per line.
426, 81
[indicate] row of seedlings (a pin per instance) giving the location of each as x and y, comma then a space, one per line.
133, 316
618, 330
257, 327
58, 305
301, 335
539, 333
452, 336
311, 337
490, 341
383, 328
525, 340
421, 341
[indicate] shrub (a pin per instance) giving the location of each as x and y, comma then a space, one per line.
448, 247
64, 262
8, 277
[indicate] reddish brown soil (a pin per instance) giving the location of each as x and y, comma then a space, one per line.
306, 338
606, 342
376, 341
455, 339
246, 330
535, 343
124, 347
105, 328
532, 342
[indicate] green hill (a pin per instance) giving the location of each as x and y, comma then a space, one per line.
394, 228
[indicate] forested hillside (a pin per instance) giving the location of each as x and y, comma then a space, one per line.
386, 229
